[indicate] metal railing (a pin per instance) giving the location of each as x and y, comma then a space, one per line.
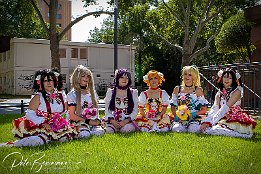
250, 78
22, 106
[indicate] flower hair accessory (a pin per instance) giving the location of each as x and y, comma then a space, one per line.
220, 72
238, 75
145, 78
161, 75
79, 69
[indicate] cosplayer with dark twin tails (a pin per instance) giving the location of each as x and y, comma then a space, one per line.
225, 116
188, 102
153, 105
121, 104
83, 105
45, 119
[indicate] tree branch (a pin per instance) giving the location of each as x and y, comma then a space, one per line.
164, 39
78, 19
46, 3
200, 51
174, 14
40, 15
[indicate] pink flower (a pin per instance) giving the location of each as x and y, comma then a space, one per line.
52, 96
88, 113
224, 91
182, 97
151, 114
58, 122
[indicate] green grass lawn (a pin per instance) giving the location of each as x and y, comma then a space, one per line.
134, 153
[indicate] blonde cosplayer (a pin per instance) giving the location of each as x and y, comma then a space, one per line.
75, 80
194, 73
151, 74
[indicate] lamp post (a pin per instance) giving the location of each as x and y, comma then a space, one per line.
115, 34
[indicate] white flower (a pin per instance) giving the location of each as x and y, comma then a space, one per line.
160, 74
38, 77
56, 74
145, 77
238, 75
220, 72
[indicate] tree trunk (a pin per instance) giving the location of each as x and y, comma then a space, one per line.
186, 60
54, 47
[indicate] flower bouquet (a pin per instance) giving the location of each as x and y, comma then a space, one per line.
89, 113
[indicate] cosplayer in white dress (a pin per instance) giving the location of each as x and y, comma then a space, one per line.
188, 102
83, 105
225, 120
48, 122
88, 112
121, 104
153, 105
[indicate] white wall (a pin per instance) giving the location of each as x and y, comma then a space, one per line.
29, 55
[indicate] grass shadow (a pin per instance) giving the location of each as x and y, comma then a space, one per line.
8, 118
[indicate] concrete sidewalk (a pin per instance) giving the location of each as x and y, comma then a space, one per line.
13, 106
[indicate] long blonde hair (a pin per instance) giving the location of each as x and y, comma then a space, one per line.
75, 79
195, 75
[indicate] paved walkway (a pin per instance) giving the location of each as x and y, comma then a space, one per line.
13, 106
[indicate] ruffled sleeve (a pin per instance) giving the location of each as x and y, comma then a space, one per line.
31, 115
165, 98
71, 98
64, 96
135, 108
201, 101
107, 99
142, 100
174, 100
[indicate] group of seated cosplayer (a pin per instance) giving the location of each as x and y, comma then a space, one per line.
53, 116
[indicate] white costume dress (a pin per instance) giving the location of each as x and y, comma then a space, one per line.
153, 107
85, 130
30, 129
186, 106
120, 113
229, 121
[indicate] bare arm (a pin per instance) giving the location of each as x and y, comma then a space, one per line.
234, 98
73, 116
203, 109
172, 108
34, 103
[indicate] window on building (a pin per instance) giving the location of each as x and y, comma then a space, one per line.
74, 52
83, 53
59, 16
62, 52
59, 6
0, 57
0, 80
64, 77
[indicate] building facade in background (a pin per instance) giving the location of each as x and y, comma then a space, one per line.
26, 56
63, 16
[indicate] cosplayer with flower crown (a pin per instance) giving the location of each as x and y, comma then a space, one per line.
188, 102
44, 121
82, 101
121, 104
153, 104
226, 117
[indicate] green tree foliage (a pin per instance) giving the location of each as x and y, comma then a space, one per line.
234, 38
18, 19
